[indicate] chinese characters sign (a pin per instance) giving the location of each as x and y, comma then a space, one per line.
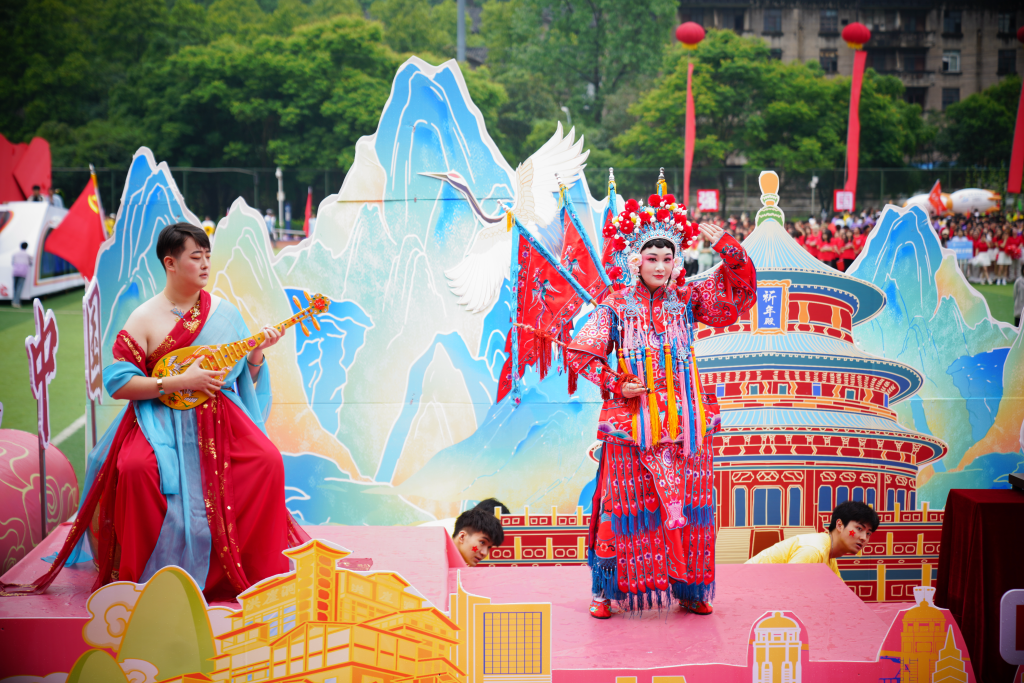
707, 201
42, 366
772, 307
843, 200
93, 343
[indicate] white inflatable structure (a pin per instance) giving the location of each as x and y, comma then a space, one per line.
33, 222
967, 200
973, 199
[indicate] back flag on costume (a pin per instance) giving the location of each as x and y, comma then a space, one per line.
545, 300
78, 238
579, 258
612, 242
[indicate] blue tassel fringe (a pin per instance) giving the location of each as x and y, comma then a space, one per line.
604, 582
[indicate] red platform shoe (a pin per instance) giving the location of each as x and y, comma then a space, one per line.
600, 609
697, 607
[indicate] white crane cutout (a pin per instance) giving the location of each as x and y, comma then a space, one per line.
477, 279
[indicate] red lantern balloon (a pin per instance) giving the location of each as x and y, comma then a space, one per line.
856, 34
1020, 34
689, 34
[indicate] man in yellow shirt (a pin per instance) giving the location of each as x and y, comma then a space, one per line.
852, 524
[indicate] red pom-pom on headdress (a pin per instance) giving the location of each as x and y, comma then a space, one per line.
654, 200
631, 206
668, 199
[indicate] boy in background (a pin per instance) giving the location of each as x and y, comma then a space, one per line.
477, 530
850, 530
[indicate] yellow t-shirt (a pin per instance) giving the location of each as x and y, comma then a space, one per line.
802, 549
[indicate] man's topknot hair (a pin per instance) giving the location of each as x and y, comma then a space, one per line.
172, 239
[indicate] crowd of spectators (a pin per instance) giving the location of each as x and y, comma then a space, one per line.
836, 243
989, 247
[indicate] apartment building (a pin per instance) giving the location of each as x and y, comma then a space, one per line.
942, 52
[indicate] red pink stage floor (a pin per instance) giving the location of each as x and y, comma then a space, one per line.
837, 627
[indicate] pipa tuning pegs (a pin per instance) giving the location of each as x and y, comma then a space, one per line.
315, 322
305, 331
295, 300
308, 299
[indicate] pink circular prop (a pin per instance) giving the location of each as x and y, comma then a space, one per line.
19, 493
856, 34
689, 34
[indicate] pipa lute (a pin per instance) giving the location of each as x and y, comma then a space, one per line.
225, 356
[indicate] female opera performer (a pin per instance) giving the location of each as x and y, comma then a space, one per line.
203, 488
652, 529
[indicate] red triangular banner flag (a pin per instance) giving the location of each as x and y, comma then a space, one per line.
935, 198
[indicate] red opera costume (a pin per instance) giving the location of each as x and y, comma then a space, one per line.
240, 475
652, 534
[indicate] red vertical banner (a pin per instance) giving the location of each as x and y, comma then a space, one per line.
309, 210
853, 131
690, 134
1017, 155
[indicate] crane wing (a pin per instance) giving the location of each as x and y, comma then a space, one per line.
477, 279
536, 180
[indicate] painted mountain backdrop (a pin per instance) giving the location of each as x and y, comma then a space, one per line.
386, 414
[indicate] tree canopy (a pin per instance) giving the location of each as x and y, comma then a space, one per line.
296, 82
749, 106
979, 130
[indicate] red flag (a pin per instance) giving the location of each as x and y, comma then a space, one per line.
78, 237
576, 257
935, 199
546, 303
853, 130
309, 211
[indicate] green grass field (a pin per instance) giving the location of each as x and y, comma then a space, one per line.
1000, 300
67, 391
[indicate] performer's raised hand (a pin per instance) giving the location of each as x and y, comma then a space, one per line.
633, 389
711, 232
199, 379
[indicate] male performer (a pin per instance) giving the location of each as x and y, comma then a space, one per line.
202, 488
849, 531
652, 534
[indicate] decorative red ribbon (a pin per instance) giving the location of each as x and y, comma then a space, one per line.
1017, 155
853, 131
690, 134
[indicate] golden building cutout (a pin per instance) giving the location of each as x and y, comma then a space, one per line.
777, 648
321, 624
